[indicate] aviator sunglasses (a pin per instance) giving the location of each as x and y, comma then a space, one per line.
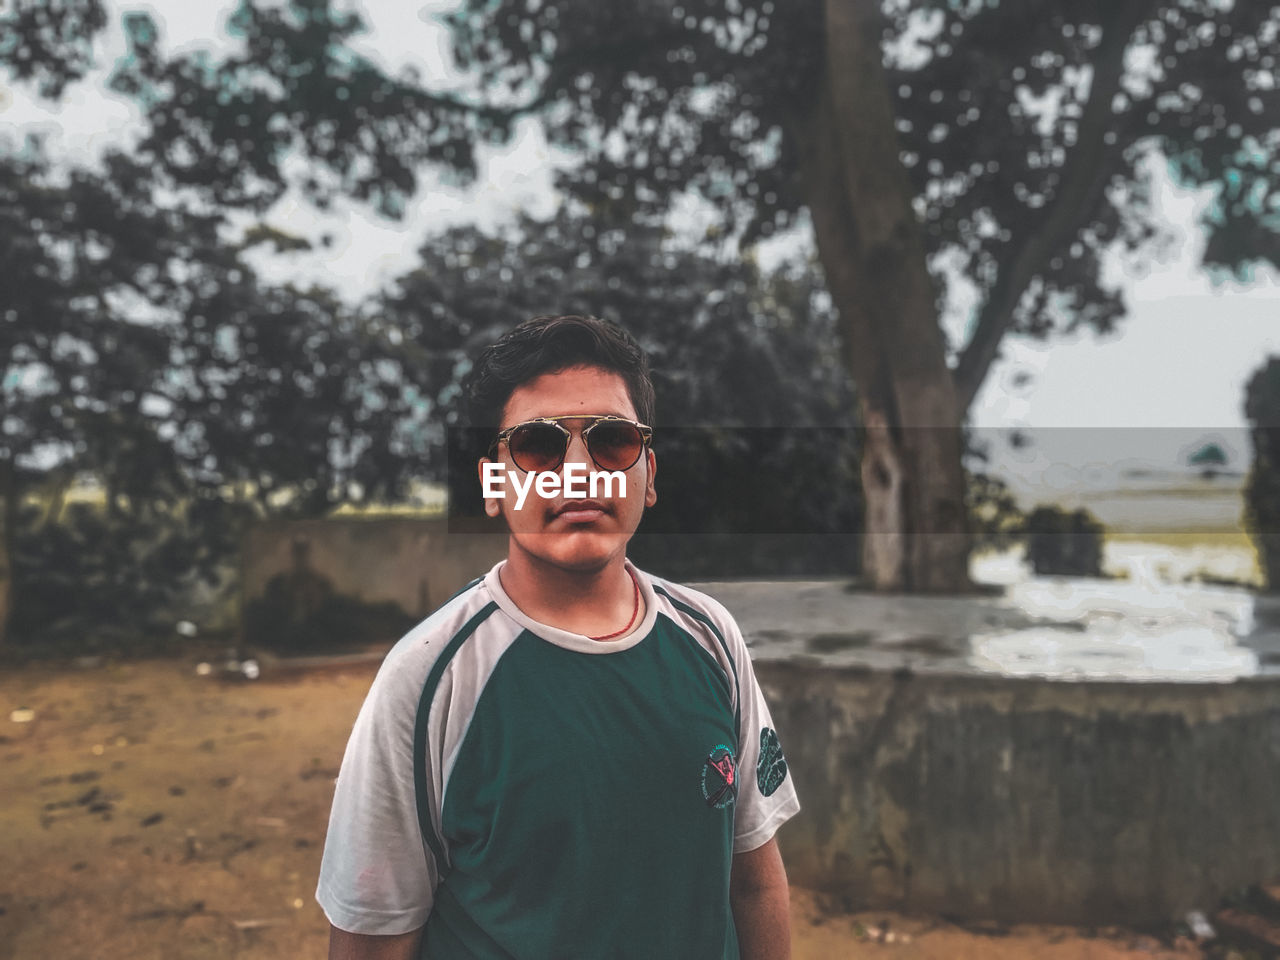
614, 443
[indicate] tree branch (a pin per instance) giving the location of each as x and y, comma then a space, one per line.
1084, 177
567, 65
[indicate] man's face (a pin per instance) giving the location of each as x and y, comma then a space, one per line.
573, 534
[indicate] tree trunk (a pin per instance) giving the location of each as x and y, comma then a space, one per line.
883, 544
916, 536
8, 516
1082, 184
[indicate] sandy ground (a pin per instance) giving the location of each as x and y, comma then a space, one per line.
150, 813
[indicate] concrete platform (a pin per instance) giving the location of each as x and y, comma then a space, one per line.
1067, 751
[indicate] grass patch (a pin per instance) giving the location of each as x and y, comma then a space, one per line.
1221, 539
1224, 540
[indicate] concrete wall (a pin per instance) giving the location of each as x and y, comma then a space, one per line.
416, 564
975, 795
1021, 799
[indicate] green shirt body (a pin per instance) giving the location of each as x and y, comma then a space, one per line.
531, 793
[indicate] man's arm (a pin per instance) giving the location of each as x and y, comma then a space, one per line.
362, 946
761, 904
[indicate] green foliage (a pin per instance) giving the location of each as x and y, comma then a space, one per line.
1262, 489
994, 517
104, 579
1064, 543
754, 419
995, 520
136, 344
1209, 456
295, 87
139, 348
702, 95
49, 42
660, 99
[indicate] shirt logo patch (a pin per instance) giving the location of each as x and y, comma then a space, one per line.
771, 768
720, 778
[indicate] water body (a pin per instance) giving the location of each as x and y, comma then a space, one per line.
1153, 625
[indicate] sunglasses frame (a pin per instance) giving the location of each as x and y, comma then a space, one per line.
646, 436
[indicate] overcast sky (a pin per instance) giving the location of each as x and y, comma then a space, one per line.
1174, 373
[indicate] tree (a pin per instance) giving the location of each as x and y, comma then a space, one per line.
1064, 543
1007, 139
1004, 139
1208, 458
78, 383
138, 348
997, 521
1262, 489
756, 452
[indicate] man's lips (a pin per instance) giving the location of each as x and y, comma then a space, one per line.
580, 511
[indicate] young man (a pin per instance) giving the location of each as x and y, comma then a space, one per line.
571, 758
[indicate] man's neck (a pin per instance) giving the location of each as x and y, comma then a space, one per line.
594, 603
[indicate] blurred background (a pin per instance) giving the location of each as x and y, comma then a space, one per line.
964, 317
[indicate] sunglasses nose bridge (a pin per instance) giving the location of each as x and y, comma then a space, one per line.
576, 451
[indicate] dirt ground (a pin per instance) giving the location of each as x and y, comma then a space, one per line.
147, 812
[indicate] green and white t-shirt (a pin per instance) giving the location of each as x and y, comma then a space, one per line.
532, 793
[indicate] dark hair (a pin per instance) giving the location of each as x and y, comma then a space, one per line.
548, 345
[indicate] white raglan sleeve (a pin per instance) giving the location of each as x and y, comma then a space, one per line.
378, 875
766, 790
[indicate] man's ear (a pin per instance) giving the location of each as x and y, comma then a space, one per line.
492, 506
650, 491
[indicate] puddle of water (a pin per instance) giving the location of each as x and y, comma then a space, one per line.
1155, 623
1150, 625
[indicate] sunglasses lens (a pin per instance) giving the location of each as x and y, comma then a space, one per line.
537, 446
615, 446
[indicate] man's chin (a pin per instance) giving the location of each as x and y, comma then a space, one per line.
577, 552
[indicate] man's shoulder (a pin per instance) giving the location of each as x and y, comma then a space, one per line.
691, 604
410, 661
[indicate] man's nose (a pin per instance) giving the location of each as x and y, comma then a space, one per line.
576, 452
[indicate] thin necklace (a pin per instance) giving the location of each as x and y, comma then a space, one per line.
635, 611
